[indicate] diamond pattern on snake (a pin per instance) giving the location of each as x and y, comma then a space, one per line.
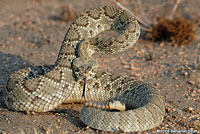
112, 102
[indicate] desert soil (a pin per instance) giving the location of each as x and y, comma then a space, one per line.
31, 33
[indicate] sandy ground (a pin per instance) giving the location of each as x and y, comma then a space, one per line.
31, 33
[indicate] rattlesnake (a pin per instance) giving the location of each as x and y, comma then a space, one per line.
76, 78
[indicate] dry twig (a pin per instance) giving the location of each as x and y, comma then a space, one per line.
174, 9
149, 29
197, 65
165, 8
142, 12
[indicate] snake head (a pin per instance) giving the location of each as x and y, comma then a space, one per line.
81, 67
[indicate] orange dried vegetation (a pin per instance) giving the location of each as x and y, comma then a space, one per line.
178, 30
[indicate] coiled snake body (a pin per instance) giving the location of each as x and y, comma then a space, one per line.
75, 77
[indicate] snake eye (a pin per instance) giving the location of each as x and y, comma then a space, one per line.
89, 68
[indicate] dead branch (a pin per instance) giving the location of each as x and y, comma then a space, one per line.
142, 12
174, 8
149, 28
165, 8
197, 65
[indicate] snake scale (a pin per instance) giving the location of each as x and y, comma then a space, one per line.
75, 77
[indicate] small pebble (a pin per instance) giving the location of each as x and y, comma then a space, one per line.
190, 110
168, 110
162, 44
191, 82
192, 94
181, 122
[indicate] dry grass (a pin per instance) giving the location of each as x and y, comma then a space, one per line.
177, 30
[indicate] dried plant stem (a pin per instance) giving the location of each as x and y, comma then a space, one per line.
149, 29
174, 9
142, 12
197, 49
165, 8
197, 64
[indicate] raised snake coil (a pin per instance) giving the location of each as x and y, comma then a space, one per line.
43, 88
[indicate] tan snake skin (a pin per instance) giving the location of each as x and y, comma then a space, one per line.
76, 78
